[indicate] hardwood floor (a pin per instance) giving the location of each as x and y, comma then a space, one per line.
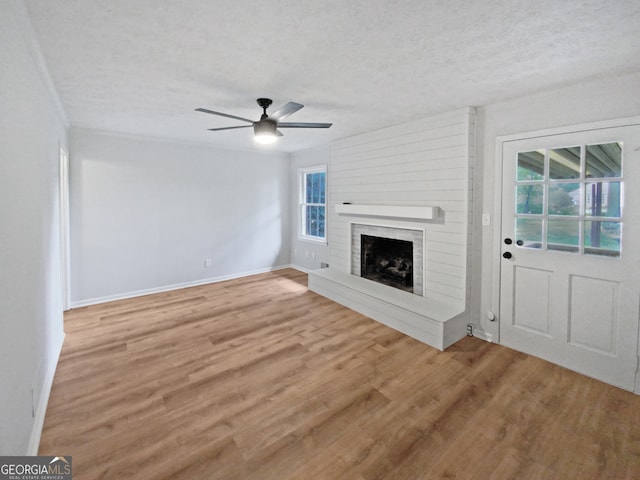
258, 378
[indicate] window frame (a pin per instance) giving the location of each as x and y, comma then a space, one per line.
302, 204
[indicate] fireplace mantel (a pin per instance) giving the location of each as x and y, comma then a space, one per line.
412, 212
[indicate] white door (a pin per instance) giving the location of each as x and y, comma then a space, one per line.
570, 282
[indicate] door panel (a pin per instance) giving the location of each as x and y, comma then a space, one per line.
593, 316
531, 303
570, 287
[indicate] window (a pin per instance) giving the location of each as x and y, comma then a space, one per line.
570, 199
313, 203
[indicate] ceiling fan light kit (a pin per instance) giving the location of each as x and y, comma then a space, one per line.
265, 133
266, 130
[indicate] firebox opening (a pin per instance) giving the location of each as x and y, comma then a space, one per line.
387, 261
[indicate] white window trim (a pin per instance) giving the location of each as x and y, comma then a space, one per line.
302, 172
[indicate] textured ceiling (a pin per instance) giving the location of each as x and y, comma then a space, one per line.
142, 66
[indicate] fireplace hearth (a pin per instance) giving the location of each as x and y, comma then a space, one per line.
388, 261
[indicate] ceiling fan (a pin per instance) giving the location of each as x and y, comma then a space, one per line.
266, 129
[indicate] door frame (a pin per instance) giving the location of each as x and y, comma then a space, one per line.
497, 205
65, 233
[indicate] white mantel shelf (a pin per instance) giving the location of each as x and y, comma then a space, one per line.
414, 212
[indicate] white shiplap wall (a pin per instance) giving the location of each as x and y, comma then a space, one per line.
424, 162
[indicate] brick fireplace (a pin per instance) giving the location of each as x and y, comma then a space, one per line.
386, 258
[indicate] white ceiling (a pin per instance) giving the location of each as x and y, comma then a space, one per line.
142, 66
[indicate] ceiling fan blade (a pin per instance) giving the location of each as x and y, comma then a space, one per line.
229, 128
286, 110
279, 133
303, 125
204, 110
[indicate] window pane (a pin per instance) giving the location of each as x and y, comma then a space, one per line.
529, 199
315, 221
531, 165
314, 188
307, 216
564, 199
604, 160
308, 188
564, 163
321, 222
602, 238
603, 199
529, 232
563, 235
310, 221
322, 177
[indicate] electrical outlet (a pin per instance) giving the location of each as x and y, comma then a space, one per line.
207, 263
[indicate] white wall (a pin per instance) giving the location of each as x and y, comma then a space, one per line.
31, 330
425, 162
145, 214
590, 101
305, 254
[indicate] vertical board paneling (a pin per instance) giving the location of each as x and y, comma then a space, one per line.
425, 162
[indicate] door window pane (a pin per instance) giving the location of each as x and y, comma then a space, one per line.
603, 199
531, 165
564, 163
529, 199
602, 238
563, 235
564, 199
604, 160
529, 232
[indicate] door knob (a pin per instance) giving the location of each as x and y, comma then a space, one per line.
508, 241
507, 255
519, 243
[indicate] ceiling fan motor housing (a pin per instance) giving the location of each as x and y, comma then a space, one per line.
265, 127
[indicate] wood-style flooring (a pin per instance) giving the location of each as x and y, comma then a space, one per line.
258, 378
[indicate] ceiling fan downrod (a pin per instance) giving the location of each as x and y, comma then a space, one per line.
264, 103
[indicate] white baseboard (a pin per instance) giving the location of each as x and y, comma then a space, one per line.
299, 268
43, 402
482, 335
176, 286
